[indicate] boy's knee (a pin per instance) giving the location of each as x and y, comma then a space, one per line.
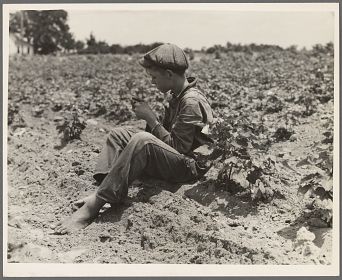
143, 135
142, 138
117, 134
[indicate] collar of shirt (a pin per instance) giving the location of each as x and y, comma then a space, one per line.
192, 82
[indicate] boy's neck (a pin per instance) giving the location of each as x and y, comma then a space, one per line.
180, 85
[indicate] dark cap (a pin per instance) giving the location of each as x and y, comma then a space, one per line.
166, 56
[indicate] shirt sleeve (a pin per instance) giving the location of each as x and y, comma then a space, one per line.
182, 133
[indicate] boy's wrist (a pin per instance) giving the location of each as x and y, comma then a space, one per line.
152, 122
154, 126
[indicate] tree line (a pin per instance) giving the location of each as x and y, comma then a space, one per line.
48, 32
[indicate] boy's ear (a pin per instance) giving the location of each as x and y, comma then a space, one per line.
169, 73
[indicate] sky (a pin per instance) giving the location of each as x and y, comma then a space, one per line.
204, 28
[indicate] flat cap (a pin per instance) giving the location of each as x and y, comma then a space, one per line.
166, 56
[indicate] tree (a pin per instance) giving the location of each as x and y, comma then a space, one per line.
116, 49
190, 53
329, 47
229, 46
96, 47
68, 42
292, 48
91, 42
79, 45
48, 30
21, 22
103, 47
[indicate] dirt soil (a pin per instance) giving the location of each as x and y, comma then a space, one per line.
201, 223
188, 224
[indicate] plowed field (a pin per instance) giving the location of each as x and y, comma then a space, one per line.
287, 97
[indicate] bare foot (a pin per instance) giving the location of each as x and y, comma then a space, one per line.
82, 217
79, 203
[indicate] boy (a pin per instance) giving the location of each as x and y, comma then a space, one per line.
163, 151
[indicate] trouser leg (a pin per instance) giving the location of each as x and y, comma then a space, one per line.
145, 154
116, 141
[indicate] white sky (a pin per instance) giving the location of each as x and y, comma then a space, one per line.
196, 29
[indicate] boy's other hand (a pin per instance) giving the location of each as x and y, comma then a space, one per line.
144, 111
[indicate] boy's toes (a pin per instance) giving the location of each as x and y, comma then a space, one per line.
56, 230
64, 231
59, 230
54, 226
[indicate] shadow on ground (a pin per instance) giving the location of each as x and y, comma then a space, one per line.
140, 191
290, 232
230, 203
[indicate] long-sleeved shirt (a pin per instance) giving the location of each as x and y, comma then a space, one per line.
185, 117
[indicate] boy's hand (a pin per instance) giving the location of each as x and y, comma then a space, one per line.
136, 99
144, 111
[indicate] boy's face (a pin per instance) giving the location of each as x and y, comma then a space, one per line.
160, 78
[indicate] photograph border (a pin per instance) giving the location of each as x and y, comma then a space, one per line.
90, 270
